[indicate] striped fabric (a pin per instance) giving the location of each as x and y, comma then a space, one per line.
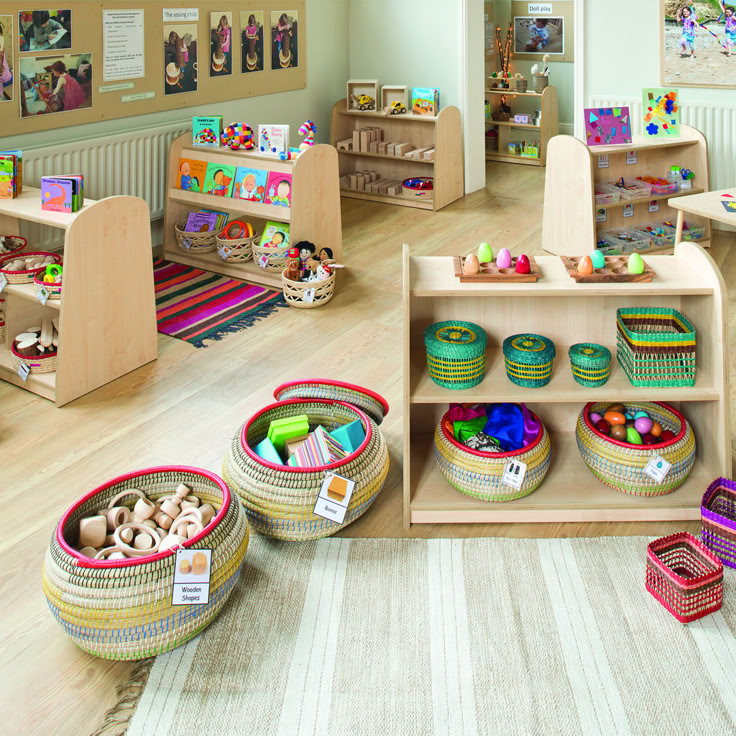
196, 306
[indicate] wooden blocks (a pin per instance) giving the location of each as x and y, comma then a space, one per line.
370, 182
345, 145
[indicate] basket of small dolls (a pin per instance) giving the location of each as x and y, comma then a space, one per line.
479, 474
590, 363
122, 608
308, 294
540, 82
10, 244
621, 464
49, 279
718, 520
271, 258
684, 576
528, 359
456, 353
23, 267
279, 497
200, 242
655, 346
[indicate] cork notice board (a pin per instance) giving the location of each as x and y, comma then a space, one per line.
128, 97
557, 19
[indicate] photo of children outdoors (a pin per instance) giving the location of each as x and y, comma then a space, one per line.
284, 39
6, 58
251, 40
699, 43
180, 58
539, 35
41, 30
51, 84
221, 43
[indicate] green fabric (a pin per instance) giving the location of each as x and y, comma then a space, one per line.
464, 430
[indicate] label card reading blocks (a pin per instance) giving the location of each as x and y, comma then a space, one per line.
513, 474
657, 468
334, 498
192, 577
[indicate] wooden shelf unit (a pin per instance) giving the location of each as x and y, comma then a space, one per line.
107, 313
314, 214
566, 312
548, 127
569, 224
442, 131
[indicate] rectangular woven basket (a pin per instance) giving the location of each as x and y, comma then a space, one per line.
718, 519
655, 346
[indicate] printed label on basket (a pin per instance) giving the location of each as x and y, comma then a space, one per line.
43, 295
334, 498
602, 160
657, 468
3, 281
263, 260
308, 296
192, 577
24, 371
628, 210
601, 215
654, 206
631, 157
513, 474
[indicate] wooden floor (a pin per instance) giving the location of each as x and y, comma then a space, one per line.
184, 408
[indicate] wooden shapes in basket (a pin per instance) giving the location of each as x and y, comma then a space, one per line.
490, 273
615, 271
318, 449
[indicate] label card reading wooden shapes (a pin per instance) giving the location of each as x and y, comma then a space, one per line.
192, 577
657, 468
24, 371
513, 474
334, 498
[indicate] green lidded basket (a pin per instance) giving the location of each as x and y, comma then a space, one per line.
456, 353
529, 359
590, 363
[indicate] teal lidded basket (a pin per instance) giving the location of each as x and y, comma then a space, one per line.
456, 353
528, 359
590, 363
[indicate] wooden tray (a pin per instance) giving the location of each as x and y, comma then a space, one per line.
616, 271
489, 272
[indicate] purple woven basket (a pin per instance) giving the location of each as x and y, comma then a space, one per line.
718, 519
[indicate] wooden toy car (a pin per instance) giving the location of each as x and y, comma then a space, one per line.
365, 102
397, 108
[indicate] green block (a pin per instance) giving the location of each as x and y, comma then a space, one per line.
281, 430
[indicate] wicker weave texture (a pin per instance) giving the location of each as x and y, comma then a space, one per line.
277, 258
236, 250
456, 353
295, 291
25, 277
321, 389
590, 363
194, 242
718, 520
528, 359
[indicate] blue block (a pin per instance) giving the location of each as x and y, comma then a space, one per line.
267, 451
350, 436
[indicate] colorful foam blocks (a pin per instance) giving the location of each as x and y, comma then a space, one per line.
287, 428
268, 452
318, 449
350, 436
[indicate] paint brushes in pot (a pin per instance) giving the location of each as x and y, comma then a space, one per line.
545, 61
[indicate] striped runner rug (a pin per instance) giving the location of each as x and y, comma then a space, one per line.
195, 305
446, 638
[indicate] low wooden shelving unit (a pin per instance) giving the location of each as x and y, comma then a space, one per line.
314, 214
442, 131
107, 312
567, 313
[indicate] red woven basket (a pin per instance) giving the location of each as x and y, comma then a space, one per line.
684, 576
17, 246
718, 520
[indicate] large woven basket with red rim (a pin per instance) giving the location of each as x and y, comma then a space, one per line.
121, 609
45, 363
718, 520
479, 474
24, 277
280, 499
14, 244
621, 465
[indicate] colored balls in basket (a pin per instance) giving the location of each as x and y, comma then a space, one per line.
238, 135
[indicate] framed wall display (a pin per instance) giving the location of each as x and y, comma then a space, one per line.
543, 28
140, 60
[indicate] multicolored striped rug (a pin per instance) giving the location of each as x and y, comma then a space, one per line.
195, 306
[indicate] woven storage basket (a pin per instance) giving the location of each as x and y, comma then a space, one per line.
194, 242
236, 250
456, 353
25, 277
718, 520
590, 363
14, 244
54, 290
37, 364
621, 464
121, 609
528, 359
478, 474
271, 259
522, 85
684, 576
655, 346
540, 82
279, 499
501, 116
295, 291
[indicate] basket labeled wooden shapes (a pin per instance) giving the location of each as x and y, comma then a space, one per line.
718, 520
23, 267
235, 242
117, 604
10, 244
50, 281
615, 271
37, 347
624, 464
194, 242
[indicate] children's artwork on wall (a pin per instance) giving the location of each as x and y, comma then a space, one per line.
192, 174
7, 49
660, 113
539, 35
221, 43
44, 30
278, 190
606, 126
284, 39
180, 58
219, 180
251, 40
50, 84
250, 184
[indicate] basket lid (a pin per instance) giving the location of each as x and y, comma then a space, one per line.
369, 401
590, 354
529, 348
465, 339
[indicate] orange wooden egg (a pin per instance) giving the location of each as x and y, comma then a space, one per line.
656, 429
585, 266
614, 417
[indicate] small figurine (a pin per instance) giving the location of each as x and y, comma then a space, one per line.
293, 273
325, 254
522, 264
306, 252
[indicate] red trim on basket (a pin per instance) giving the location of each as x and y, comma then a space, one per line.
18, 249
14, 257
31, 358
313, 468
659, 445
83, 561
493, 455
331, 382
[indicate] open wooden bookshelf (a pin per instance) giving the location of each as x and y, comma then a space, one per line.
566, 313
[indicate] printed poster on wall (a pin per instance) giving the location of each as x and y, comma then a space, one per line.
221, 43
180, 58
251, 40
123, 50
284, 39
7, 47
52, 84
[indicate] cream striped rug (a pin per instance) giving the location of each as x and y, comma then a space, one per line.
447, 637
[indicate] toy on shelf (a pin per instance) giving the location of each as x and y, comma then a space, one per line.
590, 363
521, 269
394, 99
238, 135
307, 130
418, 187
456, 353
362, 94
21, 268
37, 347
364, 102
273, 140
397, 108
689, 231
614, 270
528, 359
49, 282
659, 186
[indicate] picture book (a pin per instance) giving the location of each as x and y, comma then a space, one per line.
56, 194
222, 218
7, 176
207, 131
661, 113
250, 184
275, 235
278, 190
273, 139
219, 180
607, 125
18, 168
191, 174
201, 222
77, 181
425, 100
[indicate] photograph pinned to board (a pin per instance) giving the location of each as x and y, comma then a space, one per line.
180, 58
540, 35
660, 113
605, 126
7, 46
251, 40
44, 30
278, 189
50, 84
221, 43
284, 39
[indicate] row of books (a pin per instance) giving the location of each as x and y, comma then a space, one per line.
275, 234
11, 174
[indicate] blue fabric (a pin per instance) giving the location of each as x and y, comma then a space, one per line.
506, 424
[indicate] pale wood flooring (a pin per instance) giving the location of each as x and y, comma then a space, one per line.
184, 408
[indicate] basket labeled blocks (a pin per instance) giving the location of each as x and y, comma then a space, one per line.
655, 346
590, 363
456, 353
528, 359
718, 520
684, 576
